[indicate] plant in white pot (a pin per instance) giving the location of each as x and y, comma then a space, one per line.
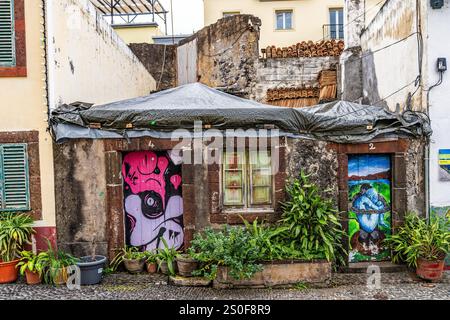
15, 231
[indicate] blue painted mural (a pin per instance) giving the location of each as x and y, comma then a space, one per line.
369, 186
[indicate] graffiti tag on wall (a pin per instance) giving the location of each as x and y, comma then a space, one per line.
153, 199
369, 186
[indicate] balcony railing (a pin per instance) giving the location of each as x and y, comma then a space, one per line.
333, 31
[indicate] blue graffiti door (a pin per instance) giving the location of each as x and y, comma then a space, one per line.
369, 190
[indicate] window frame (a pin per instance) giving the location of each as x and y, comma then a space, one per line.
284, 11
338, 31
19, 69
229, 13
247, 187
13, 40
27, 179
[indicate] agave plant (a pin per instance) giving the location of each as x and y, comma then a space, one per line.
167, 255
15, 231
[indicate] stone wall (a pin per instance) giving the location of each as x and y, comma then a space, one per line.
160, 60
227, 54
290, 73
90, 203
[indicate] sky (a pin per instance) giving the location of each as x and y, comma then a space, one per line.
187, 16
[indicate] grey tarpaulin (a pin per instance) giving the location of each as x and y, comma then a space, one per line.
157, 115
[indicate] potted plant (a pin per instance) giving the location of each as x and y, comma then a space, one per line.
186, 265
150, 261
56, 262
166, 259
15, 231
131, 257
422, 245
91, 267
32, 266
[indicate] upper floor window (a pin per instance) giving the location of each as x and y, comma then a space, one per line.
231, 13
283, 19
336, 23
7, 36
247, 179
14, 177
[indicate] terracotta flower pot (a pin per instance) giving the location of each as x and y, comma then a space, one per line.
186, 266
151, 267
60, 276
430, 270
134, 266
32, 277
8, 271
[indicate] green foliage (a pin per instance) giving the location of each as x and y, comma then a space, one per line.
231, 247
32, 262
54, 261
312, 222
309, 229
128, 253
301, 286
150, 257
418, 238
167, 255
15, 231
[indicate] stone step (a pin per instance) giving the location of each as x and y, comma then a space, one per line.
385, 267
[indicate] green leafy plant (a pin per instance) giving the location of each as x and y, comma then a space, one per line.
15, 231
32, 262
231, 247
418, 238
55, 262
128, 253
150, 256
168, 255
311, 222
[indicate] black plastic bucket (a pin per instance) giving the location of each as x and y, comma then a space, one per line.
91, 271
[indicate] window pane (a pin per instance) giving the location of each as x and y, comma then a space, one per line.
261, 178
233, 197
233, 179
288, 20
234, 160
261, 195
280, 21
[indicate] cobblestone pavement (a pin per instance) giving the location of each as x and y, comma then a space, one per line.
153, 287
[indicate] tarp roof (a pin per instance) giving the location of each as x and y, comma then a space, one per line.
159, 114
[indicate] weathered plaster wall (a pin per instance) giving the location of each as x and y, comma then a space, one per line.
290, 73
88, 61
227, 54
160, 60
23, 107
395, 68
438, 24
80, 185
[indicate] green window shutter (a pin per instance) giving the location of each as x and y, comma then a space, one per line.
15, 194
7, 35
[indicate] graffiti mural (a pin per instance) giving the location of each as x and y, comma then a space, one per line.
153, 200
369, 188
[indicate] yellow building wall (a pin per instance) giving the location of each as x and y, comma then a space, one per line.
138, 34
23, 105
309, 16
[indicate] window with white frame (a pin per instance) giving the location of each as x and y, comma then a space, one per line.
7, 36
247, 179
283, 19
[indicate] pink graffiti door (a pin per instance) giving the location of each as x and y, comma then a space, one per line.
153, 201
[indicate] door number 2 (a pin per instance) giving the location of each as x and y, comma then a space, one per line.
372, 146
